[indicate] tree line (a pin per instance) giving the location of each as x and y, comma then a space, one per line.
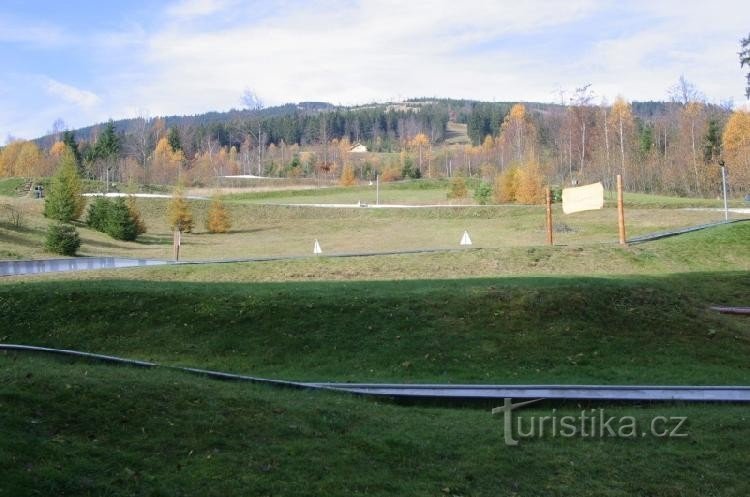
671, 147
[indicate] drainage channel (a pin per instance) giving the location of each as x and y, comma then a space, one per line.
448, 391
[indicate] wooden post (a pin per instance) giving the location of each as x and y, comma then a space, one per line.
176, 240
620, 211
549, 216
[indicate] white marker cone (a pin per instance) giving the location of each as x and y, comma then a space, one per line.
316, 248
466, 239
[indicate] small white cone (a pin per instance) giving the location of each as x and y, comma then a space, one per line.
316, 248
466, 239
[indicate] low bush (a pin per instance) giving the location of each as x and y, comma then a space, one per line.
62, 239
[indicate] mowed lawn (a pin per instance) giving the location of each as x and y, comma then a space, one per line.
578, 314
653, 325
272, 230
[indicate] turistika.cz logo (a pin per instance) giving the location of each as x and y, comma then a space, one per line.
588, 423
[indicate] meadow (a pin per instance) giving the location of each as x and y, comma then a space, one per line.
508, 310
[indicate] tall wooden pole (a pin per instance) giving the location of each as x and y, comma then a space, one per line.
620, 211
549, 216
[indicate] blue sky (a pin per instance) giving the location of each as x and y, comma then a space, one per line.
85, 62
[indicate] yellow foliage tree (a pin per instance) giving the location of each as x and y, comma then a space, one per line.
458, 188
21, 158
621, 118
519, 133
391, 173
347, 176
736, 144
419, 142
506, 185
179, 214
57, 149
530, 188
218, 220
166, 162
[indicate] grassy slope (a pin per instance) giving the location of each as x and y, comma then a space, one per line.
629, 329
9, 186
84, 429
260, 230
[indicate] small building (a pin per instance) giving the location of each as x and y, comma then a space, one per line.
358, 148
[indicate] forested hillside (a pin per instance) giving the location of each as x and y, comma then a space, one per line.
672, 147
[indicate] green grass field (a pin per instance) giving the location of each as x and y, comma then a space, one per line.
85, 429
260, 229
509, 310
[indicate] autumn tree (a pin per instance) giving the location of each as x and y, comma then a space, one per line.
419, 142
736, 145
63, 200
179, 214
530, 189
506, 186
218, 220
519, 133
21, 158
458, 188
166, 164
621, 119
347, 176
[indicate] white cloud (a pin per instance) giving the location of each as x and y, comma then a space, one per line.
350, 53
71, 94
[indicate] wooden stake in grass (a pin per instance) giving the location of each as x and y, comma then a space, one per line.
549, 216
620, 211
176, 242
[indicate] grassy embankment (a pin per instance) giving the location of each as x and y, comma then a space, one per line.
79, 428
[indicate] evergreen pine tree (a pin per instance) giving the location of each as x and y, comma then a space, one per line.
64, 201
120, 225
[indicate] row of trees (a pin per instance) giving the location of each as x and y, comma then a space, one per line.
671, 147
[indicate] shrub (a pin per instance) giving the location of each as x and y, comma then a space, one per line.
483, 193
458, 188
391, 173
179, 215
135, 213
409, 171
120, 224
218, 217
506, 186
14, 216
62, 239
98, 214
347, 176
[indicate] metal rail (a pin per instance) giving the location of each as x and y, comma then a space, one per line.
665, 234
448, 391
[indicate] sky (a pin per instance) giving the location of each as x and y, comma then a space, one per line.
85, 62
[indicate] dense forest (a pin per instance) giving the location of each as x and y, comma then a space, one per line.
671, 147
